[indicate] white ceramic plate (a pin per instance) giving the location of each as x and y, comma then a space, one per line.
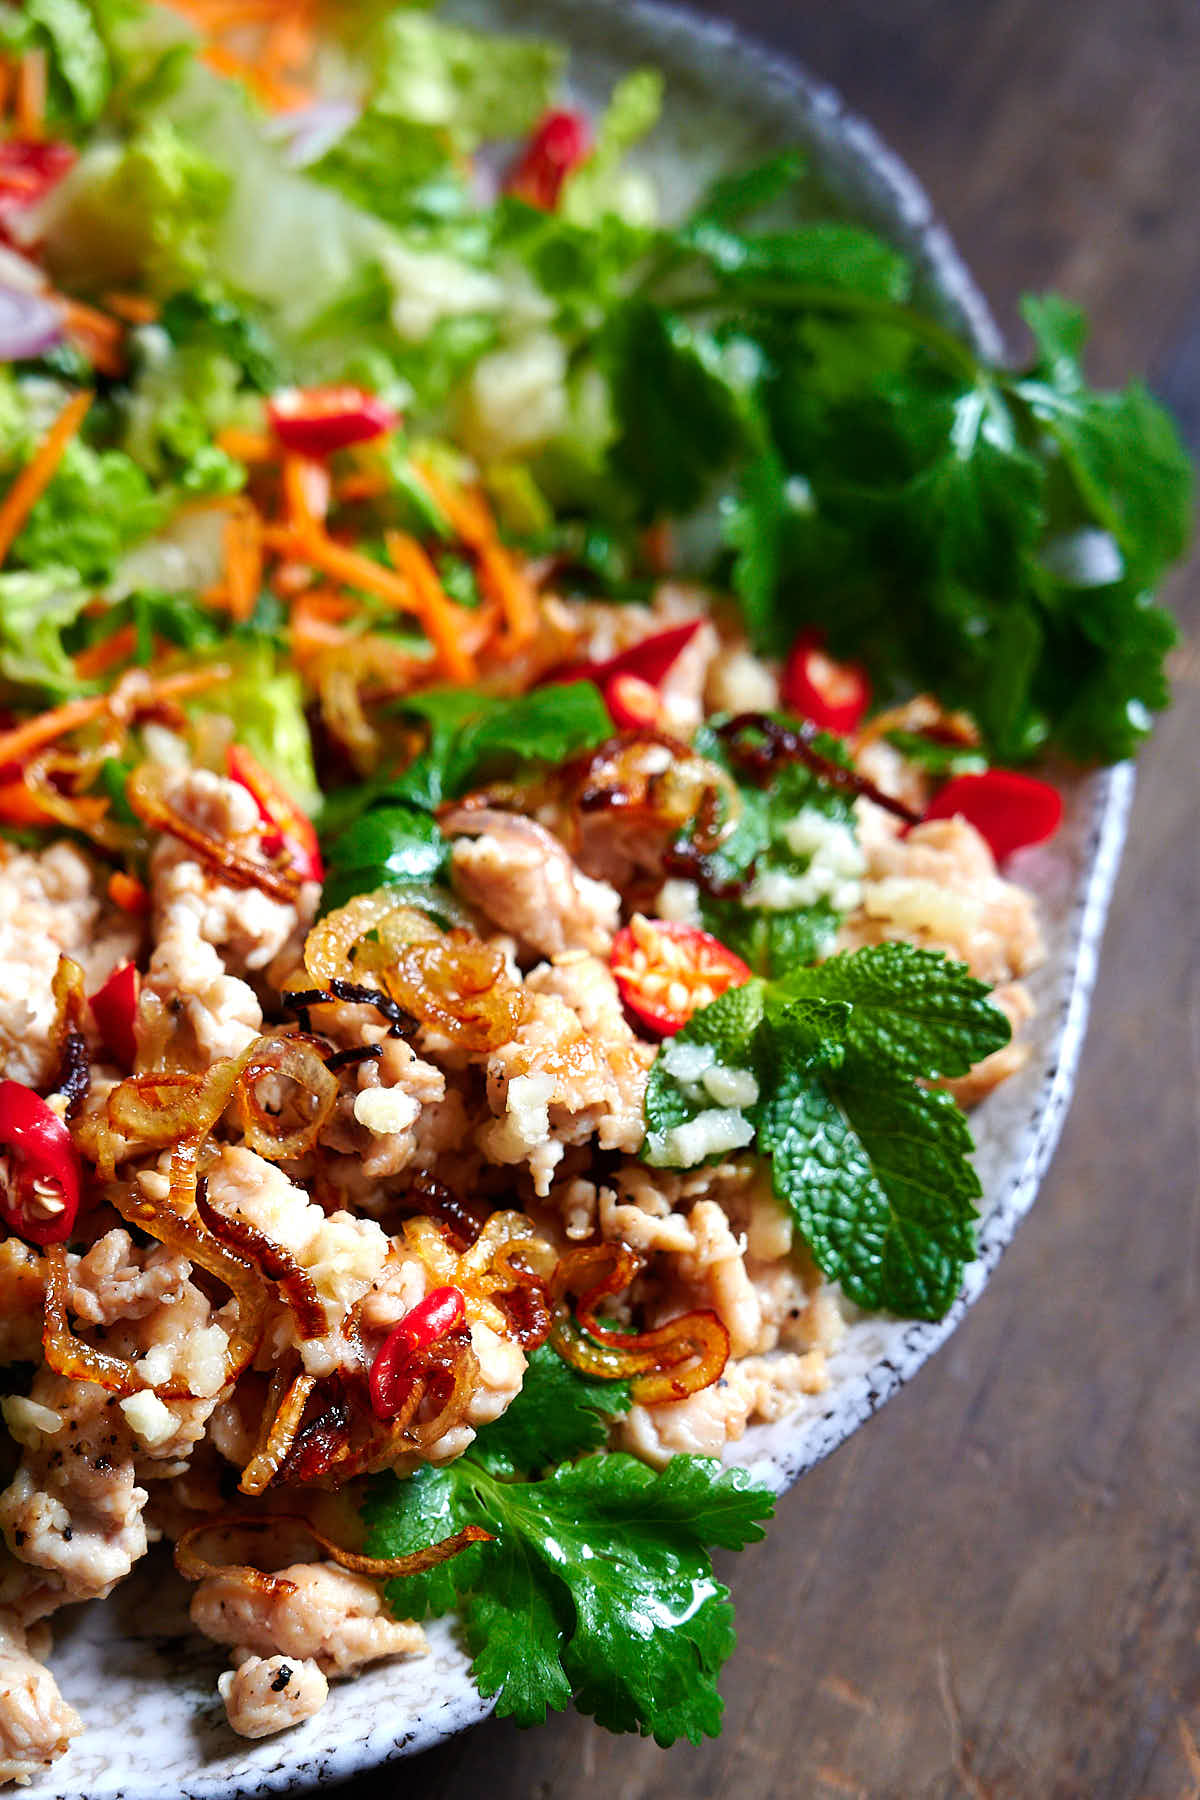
144, 1685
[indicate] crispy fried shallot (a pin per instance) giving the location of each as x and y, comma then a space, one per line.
656, 1360
145, 793
282, 1413
760, 745
174, 1223
72, 1075
194, 1567
277, 1265
68, 1355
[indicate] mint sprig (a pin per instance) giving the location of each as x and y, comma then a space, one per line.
874, 1168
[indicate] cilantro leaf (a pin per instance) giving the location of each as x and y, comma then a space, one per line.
558, 1414
385, 832
796, 839
597, 1586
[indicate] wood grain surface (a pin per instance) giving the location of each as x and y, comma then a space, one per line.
990, 1591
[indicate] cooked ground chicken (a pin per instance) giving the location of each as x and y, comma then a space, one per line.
36, 1724
422, 1135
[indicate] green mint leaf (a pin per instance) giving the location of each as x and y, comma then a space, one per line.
877, 1179
914, 1013
698, 1073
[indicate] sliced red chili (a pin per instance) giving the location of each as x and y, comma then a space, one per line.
39, 1168
834, 695
28, 170
318, 421
1008, 809
439, 1313
633, 704
630, 680
290, 829
667, 971
114, 1008
559, 144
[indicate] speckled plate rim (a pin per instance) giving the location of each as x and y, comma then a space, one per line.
166, 1735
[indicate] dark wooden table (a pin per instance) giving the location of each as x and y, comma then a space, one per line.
990, 1591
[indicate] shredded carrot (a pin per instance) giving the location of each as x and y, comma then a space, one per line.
100, 657
18, 806
441, 619
315, 623
289, 43
278, 96
20, 741
130, 894
100, 337
347, 566
135, 309
31, 95
362, 484
37, 474
500, 575
247, 446
7, 78
243, 559
305, 493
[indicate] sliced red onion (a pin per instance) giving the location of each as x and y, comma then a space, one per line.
29, 324
309, 132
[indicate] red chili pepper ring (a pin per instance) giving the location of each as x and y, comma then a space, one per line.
39, 1168
439, 1313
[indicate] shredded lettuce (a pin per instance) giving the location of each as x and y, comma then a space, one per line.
36, 606
473, 84
143, 211
263, 698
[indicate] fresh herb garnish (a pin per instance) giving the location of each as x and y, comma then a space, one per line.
598, 1586
385, 832
873, 1166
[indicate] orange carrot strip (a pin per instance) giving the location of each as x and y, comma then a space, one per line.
305, 493
37, 474
362, 484
130, 894
247, 446
20, 741
500, 576
31, 94
441, 619
100, 657
135, 309
347, 566
18, 806
243, 559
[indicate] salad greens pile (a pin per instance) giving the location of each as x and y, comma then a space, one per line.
824, 445
768, 378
